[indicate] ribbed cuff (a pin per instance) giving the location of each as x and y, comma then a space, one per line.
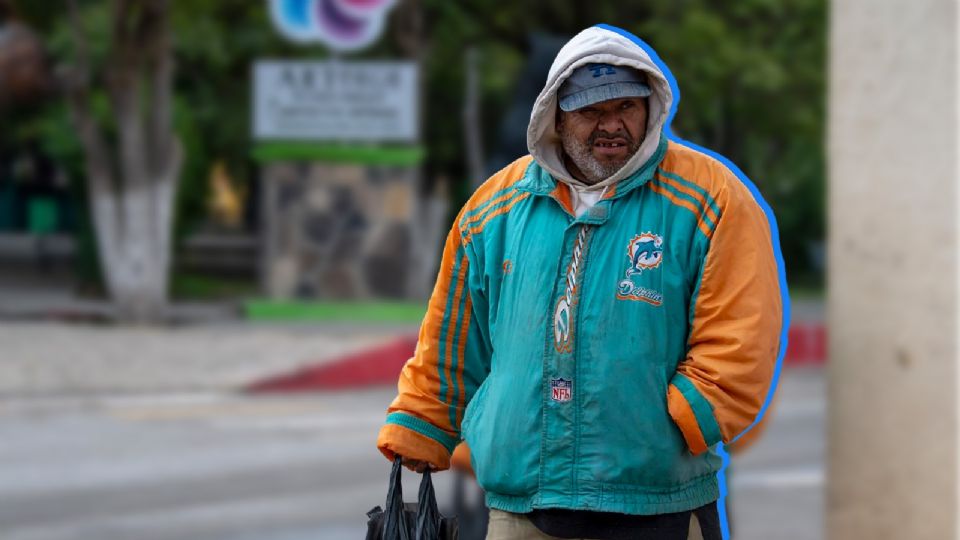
424, 428
688, 407
397, 438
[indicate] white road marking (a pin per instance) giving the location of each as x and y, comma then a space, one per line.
365, 422
807, 477
800, 409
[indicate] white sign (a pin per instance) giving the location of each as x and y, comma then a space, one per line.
336, 101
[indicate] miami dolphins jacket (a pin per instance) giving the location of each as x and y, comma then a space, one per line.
594, 363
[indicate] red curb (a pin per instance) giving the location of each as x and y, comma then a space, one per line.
806, 344
381, 365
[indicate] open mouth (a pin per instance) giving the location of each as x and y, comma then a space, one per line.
610, 147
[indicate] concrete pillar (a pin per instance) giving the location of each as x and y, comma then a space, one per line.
893, 274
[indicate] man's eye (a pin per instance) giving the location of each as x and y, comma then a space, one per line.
626, 105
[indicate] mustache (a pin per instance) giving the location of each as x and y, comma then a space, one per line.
621, 134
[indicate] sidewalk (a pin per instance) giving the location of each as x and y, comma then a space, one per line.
55, 358
56, 343
28, 296
212, 350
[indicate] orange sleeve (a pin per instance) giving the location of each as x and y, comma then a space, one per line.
453, 352
450, 362
734, 338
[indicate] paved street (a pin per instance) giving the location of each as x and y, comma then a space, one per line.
219, 466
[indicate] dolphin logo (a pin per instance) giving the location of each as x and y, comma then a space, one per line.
645, 252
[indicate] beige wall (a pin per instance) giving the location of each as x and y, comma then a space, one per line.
892, 314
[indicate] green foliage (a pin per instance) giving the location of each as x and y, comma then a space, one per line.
752, 77
194, 286
192, 192
366, 312
50, 125
751, 74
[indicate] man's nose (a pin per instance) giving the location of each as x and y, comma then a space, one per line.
610, 121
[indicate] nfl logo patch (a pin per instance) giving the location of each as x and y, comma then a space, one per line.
562, 389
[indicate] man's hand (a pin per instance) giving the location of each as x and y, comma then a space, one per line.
417, 465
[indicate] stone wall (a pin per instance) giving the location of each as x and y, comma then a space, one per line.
343, 231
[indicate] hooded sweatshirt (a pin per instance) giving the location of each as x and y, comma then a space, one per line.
594, 361
596, 46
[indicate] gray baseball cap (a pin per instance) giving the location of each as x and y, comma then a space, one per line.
594, 83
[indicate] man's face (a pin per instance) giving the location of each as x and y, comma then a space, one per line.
599, 139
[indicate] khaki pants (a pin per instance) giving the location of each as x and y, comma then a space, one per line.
507, 526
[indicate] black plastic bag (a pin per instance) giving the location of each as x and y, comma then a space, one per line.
410, 521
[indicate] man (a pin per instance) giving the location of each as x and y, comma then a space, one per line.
607, 311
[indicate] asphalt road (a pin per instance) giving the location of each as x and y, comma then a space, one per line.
218, 466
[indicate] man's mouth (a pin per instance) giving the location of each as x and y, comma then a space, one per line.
610, 147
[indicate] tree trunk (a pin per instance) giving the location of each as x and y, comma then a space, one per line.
473, 131
138, 262
132, 183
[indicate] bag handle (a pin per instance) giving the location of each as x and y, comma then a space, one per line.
395, 525
428, 516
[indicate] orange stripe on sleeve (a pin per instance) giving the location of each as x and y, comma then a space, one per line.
452, 331
488, 204
419, 383
479, 228
503, 179
735, 332
427, 353
708, 211
461, 350
685, 204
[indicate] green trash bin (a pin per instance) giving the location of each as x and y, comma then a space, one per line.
42, 215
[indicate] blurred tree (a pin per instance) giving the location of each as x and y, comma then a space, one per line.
751, 74
24, 75
753, 80
132, 162
214, 43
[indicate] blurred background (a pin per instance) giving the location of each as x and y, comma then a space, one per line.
220, 221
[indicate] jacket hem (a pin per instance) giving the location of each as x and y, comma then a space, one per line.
621, 498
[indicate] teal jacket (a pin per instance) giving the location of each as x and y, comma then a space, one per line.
594, 362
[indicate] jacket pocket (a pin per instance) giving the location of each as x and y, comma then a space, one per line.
474, 407
501, 426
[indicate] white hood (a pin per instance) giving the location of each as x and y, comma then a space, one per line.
601, 46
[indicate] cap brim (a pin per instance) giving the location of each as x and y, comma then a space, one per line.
590, 96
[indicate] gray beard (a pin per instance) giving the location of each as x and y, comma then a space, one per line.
582, 156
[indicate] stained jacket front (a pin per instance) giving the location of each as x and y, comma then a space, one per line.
594, 362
